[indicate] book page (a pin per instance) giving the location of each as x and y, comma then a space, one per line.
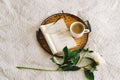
62, 39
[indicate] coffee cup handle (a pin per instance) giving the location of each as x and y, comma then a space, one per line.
88, 25
86, 31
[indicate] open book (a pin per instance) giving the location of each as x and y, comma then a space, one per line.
57, 36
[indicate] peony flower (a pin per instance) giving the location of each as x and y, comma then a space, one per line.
97, 58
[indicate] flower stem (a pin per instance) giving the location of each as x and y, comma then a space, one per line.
21, 67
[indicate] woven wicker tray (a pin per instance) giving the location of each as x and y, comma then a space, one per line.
68, 18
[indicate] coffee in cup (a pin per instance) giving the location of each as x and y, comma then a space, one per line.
77, 29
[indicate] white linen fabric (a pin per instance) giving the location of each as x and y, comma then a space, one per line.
19, 20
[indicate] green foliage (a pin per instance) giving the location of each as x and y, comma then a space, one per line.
86, 50
89, 75
71, 58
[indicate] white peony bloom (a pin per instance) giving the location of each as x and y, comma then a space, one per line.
97, 57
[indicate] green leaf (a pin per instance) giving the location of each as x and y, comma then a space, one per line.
73, 53
70, 68
91, 51
89, 75
65, 53
86, 50
75, 59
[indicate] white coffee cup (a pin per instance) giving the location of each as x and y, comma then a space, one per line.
77, 29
